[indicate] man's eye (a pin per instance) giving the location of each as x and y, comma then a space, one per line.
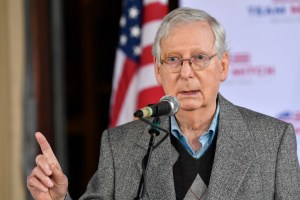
200, 57
172, 59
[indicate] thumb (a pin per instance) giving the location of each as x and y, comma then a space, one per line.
58, 177
60, 183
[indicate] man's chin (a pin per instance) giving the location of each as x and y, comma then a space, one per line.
189, 107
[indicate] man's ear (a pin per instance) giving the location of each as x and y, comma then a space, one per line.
157, 72
224, 66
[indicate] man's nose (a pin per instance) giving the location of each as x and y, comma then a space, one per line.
186, 68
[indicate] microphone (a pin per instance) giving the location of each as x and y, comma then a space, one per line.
168, 105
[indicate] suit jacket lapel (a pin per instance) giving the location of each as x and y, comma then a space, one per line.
159, 178
234, 153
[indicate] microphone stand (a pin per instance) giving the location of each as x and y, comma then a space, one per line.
153, 131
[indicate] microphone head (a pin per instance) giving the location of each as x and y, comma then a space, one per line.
173, 101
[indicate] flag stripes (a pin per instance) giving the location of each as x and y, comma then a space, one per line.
134, 83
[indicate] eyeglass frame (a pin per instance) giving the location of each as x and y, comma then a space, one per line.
162, 61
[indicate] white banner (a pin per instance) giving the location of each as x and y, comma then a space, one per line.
264, 42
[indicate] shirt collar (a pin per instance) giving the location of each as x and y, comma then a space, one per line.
212, 129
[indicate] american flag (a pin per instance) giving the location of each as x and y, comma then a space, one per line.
134, 84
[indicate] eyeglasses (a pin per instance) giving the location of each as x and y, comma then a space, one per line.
198, 62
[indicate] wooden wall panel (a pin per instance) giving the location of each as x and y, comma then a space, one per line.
42, 71
11, 76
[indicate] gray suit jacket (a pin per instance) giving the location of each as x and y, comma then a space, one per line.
255, 159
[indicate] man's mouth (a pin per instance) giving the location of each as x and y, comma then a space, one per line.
189, 92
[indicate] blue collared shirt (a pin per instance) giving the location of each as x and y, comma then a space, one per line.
205, 139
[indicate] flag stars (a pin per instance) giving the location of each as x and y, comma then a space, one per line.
123, 40
136, 50
123, 21
135, 31
133, 12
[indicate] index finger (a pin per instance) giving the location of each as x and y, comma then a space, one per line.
46, 148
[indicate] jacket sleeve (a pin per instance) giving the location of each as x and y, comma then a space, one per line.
101, 185
287, 168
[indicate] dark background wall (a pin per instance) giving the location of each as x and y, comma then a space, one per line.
91, 37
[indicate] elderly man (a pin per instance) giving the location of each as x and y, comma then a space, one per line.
216, 150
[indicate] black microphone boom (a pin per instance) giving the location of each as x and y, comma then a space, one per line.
168, 105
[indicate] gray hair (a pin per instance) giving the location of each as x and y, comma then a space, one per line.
181, 16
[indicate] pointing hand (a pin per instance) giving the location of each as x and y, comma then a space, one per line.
47, 180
